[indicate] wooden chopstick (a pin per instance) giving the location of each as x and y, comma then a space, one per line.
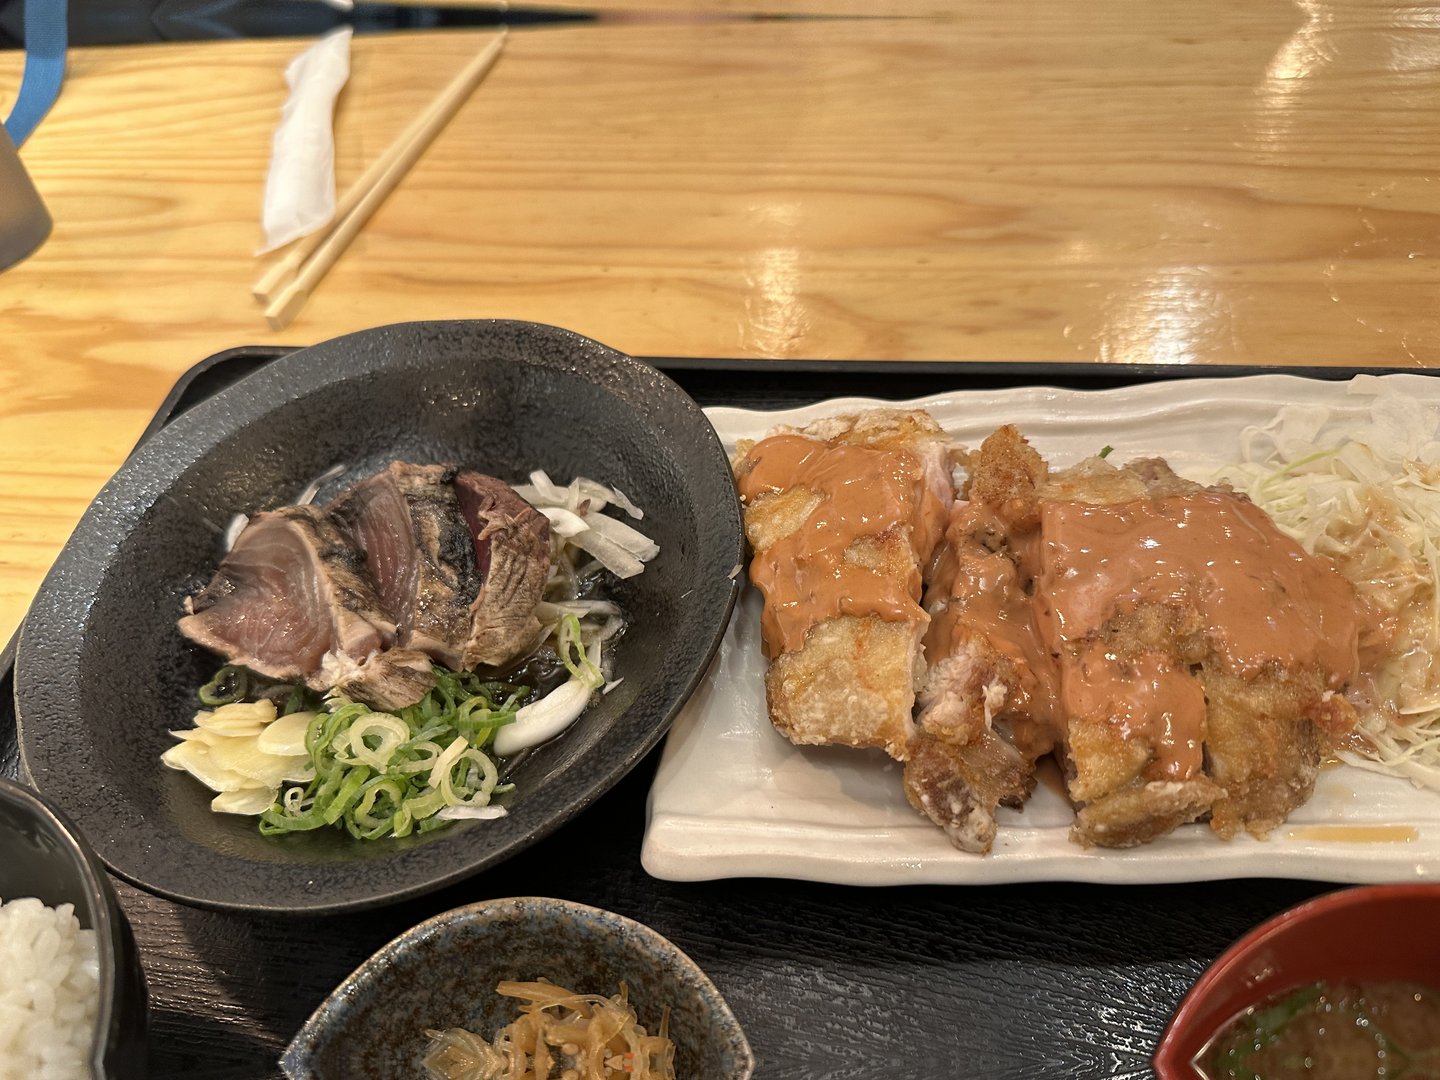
283, 268
322, 248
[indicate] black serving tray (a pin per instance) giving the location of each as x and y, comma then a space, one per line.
1004, 982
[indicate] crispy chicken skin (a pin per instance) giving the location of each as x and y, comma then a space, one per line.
841, 517
958, 785
1136, 665
1264, 731
1265, 740
981, 690
851, 684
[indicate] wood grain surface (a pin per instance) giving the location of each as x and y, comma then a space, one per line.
1125, 181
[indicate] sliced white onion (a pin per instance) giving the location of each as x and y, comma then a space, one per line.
544, 719
632, 540
462, 811
612, 626
563, 522
618, 498
591, 495
551, 610
546, 490
312, 489
609, 554
599, 496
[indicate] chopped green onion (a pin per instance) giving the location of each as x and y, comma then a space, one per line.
388, 774
567, 639
1231, 1057
230, 684
388, 731
1105, 451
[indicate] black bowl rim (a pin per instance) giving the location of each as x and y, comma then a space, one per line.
373, 967
172, 449
99, 898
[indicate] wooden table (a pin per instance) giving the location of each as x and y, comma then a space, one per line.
1129, 181
1185, 183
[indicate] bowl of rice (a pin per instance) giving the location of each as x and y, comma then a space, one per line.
72, 996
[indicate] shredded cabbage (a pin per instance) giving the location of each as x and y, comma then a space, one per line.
1366, 494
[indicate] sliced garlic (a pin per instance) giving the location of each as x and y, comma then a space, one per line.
286, 736
254, 800
239, 718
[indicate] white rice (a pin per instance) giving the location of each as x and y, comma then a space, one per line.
49, 992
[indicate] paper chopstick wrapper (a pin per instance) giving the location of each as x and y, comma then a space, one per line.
300, 187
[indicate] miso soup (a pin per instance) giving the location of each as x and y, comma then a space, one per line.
1342, 1030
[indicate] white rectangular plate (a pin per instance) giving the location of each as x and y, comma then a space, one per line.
732, 798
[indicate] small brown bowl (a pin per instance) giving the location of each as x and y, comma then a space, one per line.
1370, 933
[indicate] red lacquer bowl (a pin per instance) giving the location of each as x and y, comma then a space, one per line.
1374, 932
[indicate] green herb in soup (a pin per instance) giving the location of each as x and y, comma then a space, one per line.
1341, 1030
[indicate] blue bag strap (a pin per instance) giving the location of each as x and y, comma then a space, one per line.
45, 40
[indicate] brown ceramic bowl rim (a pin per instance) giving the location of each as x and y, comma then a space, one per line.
1170, 1061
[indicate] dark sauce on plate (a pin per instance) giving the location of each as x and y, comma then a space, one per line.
1340, 1030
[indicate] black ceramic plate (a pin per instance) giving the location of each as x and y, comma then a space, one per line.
103, 674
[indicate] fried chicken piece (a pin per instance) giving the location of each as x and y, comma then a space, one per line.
1142, 811
1006, 476
959, 785
1266, 740
986, 702
841, 517
851, 684
1178, 703
1178, 653
1128, 779
1128, 784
